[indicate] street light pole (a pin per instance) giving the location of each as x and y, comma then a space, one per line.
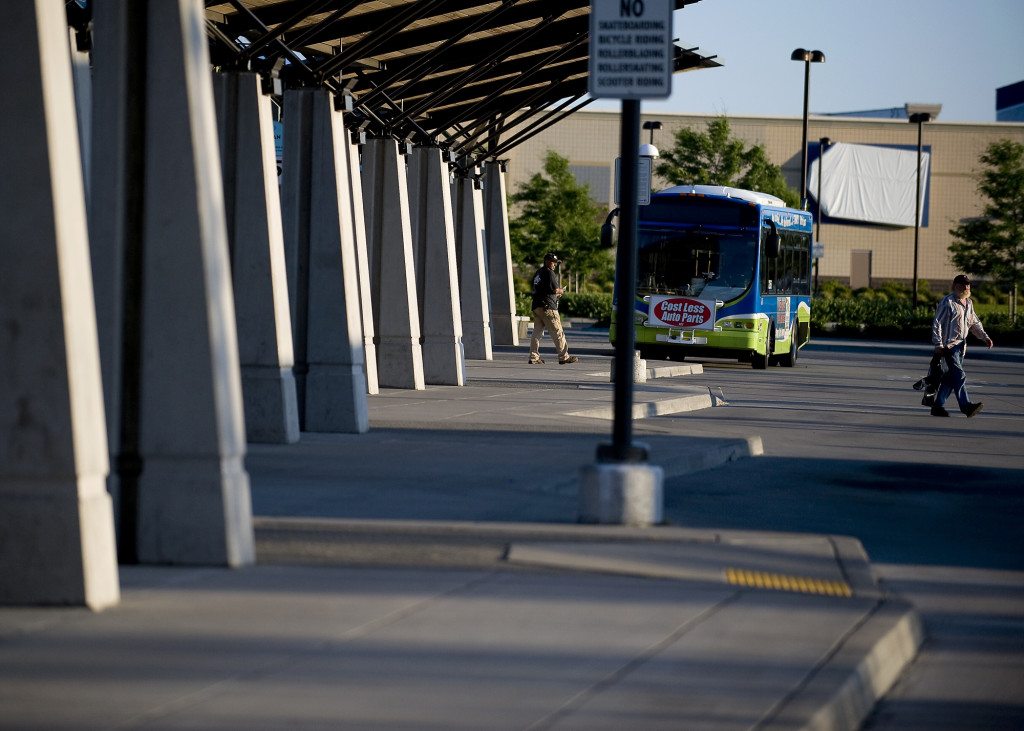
808, 57
919, 119
652, 125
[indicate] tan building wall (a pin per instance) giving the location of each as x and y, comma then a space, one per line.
590, 140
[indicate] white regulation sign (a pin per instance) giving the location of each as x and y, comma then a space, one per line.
631, 50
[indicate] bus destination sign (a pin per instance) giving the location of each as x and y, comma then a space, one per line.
631, 50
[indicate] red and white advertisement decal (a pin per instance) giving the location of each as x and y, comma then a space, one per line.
682, 312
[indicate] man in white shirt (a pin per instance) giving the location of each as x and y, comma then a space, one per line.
954, 318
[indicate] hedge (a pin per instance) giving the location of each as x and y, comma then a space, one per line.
895, 320
593, 305
850, 316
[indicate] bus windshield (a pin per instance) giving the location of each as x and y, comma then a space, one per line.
696, 262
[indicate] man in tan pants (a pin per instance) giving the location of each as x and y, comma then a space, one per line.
546, 291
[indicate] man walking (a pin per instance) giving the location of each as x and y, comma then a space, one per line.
954, 318
546, 292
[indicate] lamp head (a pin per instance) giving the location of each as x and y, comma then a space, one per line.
648, 150
929, 110
802, 54
920, 118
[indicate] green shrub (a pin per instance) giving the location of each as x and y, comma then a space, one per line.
594, 305
523, 300
868, 315
834, 289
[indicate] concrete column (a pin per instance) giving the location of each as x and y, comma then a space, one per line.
253, 212
322, 264
392, 277
116, 142
336, 389
56, 521
355, 193
83, 102
193, 491
499, 255
296, 191
476, 325
437, 281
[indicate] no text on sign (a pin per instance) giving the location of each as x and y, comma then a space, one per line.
631, 50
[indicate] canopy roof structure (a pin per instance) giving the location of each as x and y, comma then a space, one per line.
474, 77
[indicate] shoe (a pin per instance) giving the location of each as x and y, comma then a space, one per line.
973, 409
919, 386
928, 399
939, 411
570, 359
539, 361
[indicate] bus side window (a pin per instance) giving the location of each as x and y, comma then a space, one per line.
789, 273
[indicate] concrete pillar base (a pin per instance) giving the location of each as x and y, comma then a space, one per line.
400, 363
195, 511
336, 399
444, 362
621, 494
58, 545
639, 369
506, 328
271, 408
476, 337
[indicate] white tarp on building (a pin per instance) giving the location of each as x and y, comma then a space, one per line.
869, 183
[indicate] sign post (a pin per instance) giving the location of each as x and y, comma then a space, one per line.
631, 58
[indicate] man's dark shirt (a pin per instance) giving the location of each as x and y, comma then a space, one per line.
544, 285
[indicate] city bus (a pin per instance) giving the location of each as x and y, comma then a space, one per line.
722, 272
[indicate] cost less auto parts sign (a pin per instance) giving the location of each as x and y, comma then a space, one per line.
682, 312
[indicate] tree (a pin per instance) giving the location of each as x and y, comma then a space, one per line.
556, 213
992, 245
715, 158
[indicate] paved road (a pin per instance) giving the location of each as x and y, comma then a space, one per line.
849, 449
938, 504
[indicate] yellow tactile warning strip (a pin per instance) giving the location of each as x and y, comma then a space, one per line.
782, 582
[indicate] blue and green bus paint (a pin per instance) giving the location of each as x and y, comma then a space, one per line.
722, 272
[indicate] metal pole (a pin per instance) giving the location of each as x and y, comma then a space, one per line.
817, 229
803, 147
622, 449
917, 207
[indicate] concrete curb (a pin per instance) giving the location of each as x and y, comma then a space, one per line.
690, 369
848, 684
662, 407
727, 452
660, 371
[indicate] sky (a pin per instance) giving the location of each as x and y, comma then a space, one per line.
879, 54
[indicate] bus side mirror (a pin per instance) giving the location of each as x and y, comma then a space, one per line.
773, 242
608, 232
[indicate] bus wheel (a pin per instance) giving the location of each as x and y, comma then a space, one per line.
789, 359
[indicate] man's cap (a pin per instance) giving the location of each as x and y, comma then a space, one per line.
962, 279
550, 256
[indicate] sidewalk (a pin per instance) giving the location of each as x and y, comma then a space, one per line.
430, 575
